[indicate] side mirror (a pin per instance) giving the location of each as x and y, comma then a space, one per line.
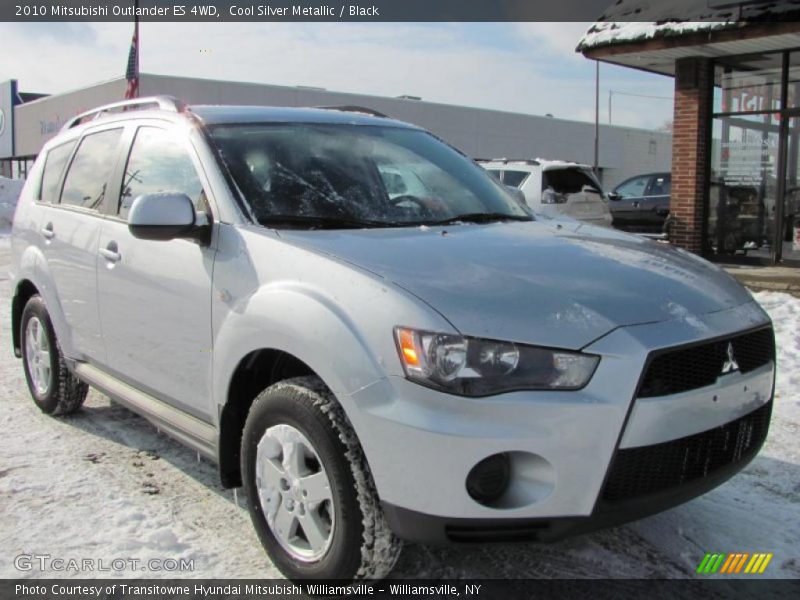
162, 216
614, 196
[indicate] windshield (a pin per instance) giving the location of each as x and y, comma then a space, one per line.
318, 175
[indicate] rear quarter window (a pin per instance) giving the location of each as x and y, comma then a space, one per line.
515, 178
55, 161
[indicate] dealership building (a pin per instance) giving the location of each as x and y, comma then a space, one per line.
32, 119
736, 126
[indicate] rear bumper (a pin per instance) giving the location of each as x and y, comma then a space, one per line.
622, 499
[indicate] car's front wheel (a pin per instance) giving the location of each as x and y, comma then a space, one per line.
310, 492
55, 390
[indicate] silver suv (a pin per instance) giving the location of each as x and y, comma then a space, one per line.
366, 331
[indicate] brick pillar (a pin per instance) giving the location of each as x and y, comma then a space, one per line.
693, 96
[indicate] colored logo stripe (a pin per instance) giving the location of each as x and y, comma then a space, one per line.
734, 563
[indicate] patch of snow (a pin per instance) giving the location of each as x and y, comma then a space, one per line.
9, 194
639, 20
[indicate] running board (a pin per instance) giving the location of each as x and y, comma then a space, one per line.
191, 431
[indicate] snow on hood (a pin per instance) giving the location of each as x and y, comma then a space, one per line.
548, 283
638, 20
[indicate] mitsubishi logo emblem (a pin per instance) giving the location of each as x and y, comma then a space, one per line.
730, 365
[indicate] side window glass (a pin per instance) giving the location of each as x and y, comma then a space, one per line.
158, 163
88, 175
633, 188
660, 186
54, 165
515, 178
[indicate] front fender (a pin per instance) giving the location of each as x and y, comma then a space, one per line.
31, 266
300, 321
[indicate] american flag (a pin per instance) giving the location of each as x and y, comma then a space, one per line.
132, 72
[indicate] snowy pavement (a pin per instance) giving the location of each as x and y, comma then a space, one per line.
104, 484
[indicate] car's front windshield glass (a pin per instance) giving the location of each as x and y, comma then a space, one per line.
337, 176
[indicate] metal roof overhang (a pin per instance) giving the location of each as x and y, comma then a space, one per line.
658, 55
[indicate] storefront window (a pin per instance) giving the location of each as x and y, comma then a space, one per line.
793, 89
791, 193
743, 185
748, 83
754, 185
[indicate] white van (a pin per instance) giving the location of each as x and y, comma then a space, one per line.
554, 187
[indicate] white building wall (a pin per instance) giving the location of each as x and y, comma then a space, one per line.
481, 133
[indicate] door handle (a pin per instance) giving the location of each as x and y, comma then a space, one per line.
47, 231
636, 204
111, 252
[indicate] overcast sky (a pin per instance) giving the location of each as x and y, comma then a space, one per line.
522, 67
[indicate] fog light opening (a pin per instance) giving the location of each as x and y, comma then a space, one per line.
488, 481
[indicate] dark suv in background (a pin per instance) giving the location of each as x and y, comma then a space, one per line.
641, 203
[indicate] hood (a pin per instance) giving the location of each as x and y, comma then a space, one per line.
553, 284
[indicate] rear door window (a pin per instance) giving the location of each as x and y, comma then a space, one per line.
53, 169
660, 186
87, 179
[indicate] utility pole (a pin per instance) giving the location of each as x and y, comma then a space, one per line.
597, 118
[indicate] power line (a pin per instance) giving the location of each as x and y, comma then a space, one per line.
619, 93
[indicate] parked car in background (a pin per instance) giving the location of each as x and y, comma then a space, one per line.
553, 187
641, 204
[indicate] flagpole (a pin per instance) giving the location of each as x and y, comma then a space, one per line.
132, 68
138, 41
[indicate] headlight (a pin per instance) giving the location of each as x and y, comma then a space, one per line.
475, 367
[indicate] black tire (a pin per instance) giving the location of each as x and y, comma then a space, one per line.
65, 393
362, 544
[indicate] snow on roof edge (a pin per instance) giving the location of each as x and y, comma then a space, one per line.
632, 21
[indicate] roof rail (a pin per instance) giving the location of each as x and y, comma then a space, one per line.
527, 161
161, 102
356, 109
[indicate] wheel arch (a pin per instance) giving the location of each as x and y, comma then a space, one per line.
255, 372
24, 291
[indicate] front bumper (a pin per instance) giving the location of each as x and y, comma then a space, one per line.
421, 444
613, 507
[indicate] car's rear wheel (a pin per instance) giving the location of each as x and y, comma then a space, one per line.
311, 495
55, 390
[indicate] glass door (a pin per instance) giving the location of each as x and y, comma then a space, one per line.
743, 186
790, 226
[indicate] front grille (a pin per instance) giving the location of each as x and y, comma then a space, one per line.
649, 469
685, 369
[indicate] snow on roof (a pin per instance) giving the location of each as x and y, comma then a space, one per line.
629, 21
544, 163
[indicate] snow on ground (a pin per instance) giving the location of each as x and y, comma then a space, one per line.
104, 484
9, 193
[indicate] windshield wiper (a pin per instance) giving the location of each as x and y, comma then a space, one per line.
481, 218
316, 222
